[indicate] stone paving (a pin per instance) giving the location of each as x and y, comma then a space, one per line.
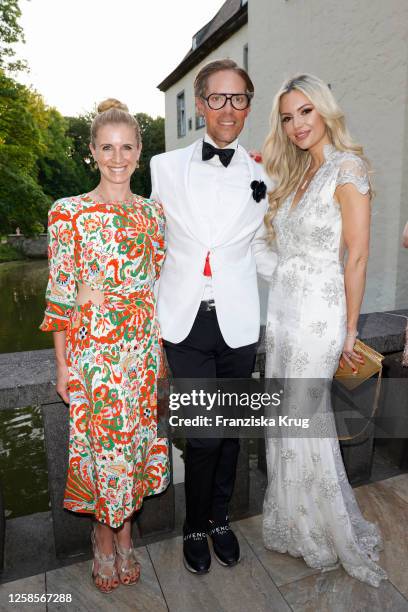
263, 582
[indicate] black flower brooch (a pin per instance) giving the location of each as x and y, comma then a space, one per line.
258, 190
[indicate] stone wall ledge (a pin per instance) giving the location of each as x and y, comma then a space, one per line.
34, 247
28, 378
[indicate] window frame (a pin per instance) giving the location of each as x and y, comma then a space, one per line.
181, 114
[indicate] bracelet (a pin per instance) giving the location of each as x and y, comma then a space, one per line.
352, 334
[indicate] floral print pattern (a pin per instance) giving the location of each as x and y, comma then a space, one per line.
114, 351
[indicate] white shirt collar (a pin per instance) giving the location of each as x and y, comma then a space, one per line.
231, 145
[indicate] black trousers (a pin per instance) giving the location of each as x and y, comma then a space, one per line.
210, 464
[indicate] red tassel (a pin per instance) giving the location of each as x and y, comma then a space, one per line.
207, 267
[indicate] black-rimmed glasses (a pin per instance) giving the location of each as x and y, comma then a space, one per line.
217, 101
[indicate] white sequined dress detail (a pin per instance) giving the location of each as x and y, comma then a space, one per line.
310, 510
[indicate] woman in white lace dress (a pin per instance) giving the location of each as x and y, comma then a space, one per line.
319, 210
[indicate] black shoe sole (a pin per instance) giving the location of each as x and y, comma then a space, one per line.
223, 562
192, 570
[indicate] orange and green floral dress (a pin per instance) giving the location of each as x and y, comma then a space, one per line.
114, 350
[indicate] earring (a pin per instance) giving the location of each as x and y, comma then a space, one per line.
137, 164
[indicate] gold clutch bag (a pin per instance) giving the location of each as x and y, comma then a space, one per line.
372, 365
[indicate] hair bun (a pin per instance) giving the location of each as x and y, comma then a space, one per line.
111, 103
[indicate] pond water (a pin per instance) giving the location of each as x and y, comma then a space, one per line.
22, 289
23, 469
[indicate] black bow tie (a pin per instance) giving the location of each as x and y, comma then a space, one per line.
225, 155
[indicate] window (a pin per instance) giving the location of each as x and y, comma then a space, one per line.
245, 58
199, 122
190, 124
181, 115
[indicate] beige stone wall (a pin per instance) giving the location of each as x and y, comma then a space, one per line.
233, 48
360, 48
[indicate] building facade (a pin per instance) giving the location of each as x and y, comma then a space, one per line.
224, 36
360, 48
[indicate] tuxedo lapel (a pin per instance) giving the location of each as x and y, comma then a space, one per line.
246, 201
187, 198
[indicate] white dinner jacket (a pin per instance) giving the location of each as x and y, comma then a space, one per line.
232, 254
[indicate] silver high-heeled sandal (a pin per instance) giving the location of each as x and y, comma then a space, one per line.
106, 563
127, 563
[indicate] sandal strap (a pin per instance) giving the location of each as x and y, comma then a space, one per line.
102, 575
106, 562
126, 553
128, 560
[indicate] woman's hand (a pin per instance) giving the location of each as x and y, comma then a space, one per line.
62, 367
62, 382
349, 355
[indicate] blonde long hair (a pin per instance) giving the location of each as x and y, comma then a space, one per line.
286, 163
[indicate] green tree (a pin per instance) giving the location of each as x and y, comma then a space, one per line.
10, 33
58, 173
20, 125
22, 121
152, 131
23, 203
78, 131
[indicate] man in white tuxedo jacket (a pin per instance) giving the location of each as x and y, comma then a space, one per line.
214, 199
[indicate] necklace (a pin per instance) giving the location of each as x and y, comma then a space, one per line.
105, 200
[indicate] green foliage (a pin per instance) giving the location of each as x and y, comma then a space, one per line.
58, 173
23, 203
22, 120
10, 33
79, 133
8, 253
152, 131
20, 123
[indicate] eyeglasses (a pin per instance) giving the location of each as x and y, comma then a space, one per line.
217, 101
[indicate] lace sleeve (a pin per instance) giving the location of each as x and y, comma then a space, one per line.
354, 170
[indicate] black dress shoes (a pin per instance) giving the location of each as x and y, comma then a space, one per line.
196, 553
225, 543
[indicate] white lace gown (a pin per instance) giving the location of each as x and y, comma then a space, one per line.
310, 510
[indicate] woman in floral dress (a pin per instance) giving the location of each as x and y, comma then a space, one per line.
319, 210
105, 253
